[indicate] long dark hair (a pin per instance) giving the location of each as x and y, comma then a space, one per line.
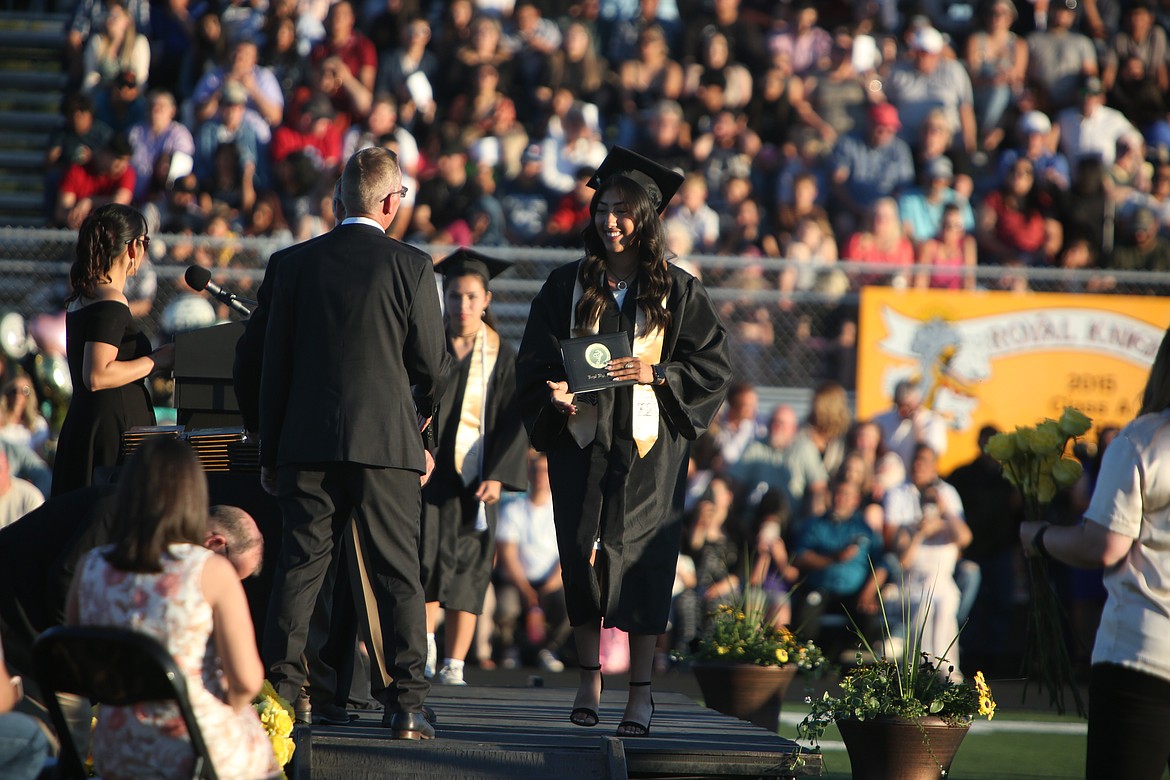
1156, 396
102, 240
162, 500
649, 241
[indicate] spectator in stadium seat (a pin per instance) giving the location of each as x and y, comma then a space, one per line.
228, 127
107, 178
690, 209
937, 143
114, 48
666, 136
929, 81
745, 39
1059, 59
1140, 38
882, 242
1145, 250
1014, 226
163, 147
921, 208
645, 80
1034, 129
282, 54
838, 96
1093, 127
265, 107
870, 167
947, 259
997, 61
410, 59
87, 16
526, 201
121, 105
1136, 94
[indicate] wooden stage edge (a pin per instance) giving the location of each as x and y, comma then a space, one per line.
520, 733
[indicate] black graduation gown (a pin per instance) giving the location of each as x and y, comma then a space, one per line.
633, 504
457, 559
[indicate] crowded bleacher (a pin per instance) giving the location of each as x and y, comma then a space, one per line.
935, 139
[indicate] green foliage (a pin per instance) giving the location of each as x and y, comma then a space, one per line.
913, 685
742, 632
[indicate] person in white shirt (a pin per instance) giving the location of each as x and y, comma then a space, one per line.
908, 424
17, 497
530, 569
1092, 129
926, 528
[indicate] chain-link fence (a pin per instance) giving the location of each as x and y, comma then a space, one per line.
790, 340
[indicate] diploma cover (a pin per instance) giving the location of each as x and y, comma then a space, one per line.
585, 360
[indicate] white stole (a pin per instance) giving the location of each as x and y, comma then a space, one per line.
648, 349
469, 443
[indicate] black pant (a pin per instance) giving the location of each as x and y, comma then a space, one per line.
317, 501
1129, 724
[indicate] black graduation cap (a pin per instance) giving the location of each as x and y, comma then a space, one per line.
465, 260
658, 180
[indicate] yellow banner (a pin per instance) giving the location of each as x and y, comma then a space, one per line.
1006, 359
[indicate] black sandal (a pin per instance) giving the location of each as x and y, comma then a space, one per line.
587, 716
637, 729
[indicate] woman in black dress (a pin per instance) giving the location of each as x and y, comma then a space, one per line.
617, 458
109, 357
481, 451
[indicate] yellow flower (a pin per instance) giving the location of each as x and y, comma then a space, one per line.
1067, 471
721, 650
781, 655
1046, 438
1046, 489
1073, 422
1001, 446
986, 702
283, 748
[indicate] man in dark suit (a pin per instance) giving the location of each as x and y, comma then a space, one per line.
354, 358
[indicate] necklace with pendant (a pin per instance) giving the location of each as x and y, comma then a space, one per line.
620, 281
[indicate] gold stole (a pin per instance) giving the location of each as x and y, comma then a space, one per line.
469, 435
648, 349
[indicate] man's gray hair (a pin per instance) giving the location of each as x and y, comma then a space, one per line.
369, 176
237, 527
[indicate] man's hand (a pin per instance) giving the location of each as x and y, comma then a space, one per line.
268, 480
426, 475
489, 491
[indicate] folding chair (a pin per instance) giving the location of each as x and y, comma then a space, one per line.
116, 667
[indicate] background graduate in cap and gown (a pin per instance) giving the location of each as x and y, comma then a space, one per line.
617, 458
482, 450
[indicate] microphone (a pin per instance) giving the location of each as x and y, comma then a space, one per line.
199, 278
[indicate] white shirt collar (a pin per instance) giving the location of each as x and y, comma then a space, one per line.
362, 221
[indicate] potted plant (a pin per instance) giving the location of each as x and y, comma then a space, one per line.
745, 662
901, 718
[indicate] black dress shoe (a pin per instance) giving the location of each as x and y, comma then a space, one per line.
331, 715
409, 725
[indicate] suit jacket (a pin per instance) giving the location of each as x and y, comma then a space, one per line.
250, 347
353, 325
38, 556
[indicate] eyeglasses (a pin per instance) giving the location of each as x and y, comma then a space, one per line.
400, 193
24, 390
144, 239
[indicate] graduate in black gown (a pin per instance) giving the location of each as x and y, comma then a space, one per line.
109, 357
482, 450
617, 457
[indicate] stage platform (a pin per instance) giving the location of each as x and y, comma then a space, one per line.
523, 733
